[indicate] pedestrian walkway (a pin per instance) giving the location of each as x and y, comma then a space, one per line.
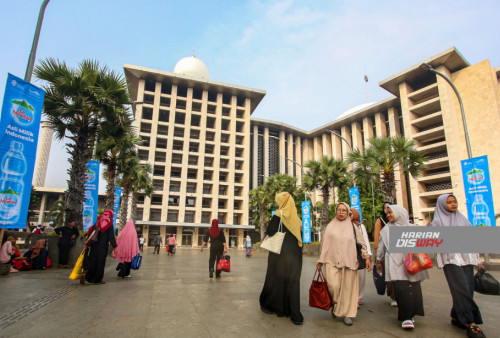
173, 296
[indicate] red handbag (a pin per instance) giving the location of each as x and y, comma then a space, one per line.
318, 292
417, 262
224, 264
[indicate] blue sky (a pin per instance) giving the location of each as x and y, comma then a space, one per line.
310, 56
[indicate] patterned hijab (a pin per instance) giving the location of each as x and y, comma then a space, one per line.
288, 213
105, 221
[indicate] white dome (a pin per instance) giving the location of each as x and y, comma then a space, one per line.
354, 109
192, 67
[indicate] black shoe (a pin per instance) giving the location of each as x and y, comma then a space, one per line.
211, 274
269, 312
296, 322
217, 275
456, 323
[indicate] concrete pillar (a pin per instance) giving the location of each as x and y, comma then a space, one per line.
282, 152
43, 154
336, 145
318, 149
43, 204
255, 159
346, 133
367, 129
291, 165
327, 144
357, 136
401, 192
298, 158
380, 128
266, 152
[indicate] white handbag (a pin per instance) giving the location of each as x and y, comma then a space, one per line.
275, 242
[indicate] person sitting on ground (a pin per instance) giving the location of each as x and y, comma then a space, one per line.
49, 228
7, 252
67, 238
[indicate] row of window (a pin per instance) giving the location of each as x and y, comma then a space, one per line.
161, 156
175, 186
197, 93
190, 202
192, 174
179, 133
189, 216
195, 122
147, 112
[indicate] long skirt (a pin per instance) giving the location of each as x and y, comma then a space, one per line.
249, 251
343, 286
409, 298
461, 283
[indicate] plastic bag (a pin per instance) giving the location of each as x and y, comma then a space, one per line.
417, 262
486, 284
78, 269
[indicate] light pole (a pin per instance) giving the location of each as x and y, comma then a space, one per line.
428, 67
31, 60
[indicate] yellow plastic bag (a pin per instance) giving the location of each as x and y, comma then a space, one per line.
78, 269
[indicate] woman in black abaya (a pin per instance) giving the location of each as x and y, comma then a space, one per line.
97, 252
281, 292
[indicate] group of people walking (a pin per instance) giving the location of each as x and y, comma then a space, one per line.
340, 262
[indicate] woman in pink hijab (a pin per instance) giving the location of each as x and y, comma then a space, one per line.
128, 248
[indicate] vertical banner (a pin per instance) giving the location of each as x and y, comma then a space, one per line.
477, 185
306, 222
91, 195
19, 126
116, 206
355, 201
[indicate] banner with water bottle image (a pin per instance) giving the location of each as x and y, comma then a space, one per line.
478, 194
19, 126
91, 195
306, 221
116, 205
355, 201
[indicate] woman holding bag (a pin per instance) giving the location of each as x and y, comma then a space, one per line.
127, 249
459, 270
218, 247
407, 289
281, 292
339, 256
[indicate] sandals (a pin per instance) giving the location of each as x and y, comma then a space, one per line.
408, 324
475, 331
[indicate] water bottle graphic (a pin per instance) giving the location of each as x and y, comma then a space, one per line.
88, 210
480, 211
11, 183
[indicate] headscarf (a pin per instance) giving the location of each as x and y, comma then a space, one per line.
127, 244
356, 218
249, 239
171, 235
214, 231
400, 219
288, 213
39, 245
444, 217
383, 215
338, 247
105, 221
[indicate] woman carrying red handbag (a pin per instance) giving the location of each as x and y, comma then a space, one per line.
407, 289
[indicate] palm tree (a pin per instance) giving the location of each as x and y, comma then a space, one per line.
58, 212
324, 175
383, 155
142, 182
128, 173
261, 199
77, 101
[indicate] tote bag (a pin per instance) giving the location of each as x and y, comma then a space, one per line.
318, 292
275, 242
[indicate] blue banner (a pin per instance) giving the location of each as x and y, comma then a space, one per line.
306, 222
19, 126
355, 201
91, 195
478, 194
116, 206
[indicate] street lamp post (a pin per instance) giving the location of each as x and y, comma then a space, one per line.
428, 67
31, 60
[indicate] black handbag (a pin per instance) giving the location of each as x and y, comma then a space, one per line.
361, 260
379, 281
486, 284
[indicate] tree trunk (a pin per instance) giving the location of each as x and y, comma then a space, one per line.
262, 222
325, 215
79, 157
124, 206
110, 186
133, 208
389, 186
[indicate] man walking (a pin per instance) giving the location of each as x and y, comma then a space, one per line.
158, 241
141, 243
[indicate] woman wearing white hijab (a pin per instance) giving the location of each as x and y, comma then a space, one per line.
339, 255
406, 287
459, 270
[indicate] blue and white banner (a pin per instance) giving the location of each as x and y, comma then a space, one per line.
477, 185
355, 201
91, 195
306, 222
19, 126
116, 206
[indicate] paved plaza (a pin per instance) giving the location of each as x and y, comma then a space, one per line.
173, 296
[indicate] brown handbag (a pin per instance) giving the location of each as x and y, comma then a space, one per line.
318, 292
92, 238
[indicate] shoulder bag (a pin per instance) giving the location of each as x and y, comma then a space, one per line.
361, 260
275, 242
93, 237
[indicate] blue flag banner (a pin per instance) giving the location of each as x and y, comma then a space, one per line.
355, 201
306, 222
19, 126
478, 194
91, 195
116, 206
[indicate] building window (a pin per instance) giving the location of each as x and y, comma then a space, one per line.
210, 122
193, 160
205, 218
190, 202
164, 101
174, 187
224, 163
161, 143
149, 99
178, 145
155, 215
240, 101
173, 201
192, 173
239, 140
209, 162
140, 199
210, 136
166, 88
237, 191
182, 90
226, 111
195, 120
176, 172
209, 148
238, 165
180, 118
143, 155
180, 104
237, 219
163, 116
158, 185
224, 151
222, 190
240, 113
145, 141
222, 204
225, 124
139, 214
238, 178
207, 189
206, 203
201, 234
172, 216
193, 148
156, 200
196, 106
226, 99
149, 86
146, 128
224, 138
237, 205
178, 132
177, 158
147, 113
212, 96
222, 177
207, 175
160, 157
197, 93
159, 170
189, 217
195, 134
221, 217
191, 188
211, 109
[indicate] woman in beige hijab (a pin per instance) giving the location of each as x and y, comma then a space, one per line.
281, 292
339, 255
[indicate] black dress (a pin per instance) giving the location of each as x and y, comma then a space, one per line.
216, 250
96, 255
65, 243
281, 291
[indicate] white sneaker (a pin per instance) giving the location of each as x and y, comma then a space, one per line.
394, 303
128, 276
